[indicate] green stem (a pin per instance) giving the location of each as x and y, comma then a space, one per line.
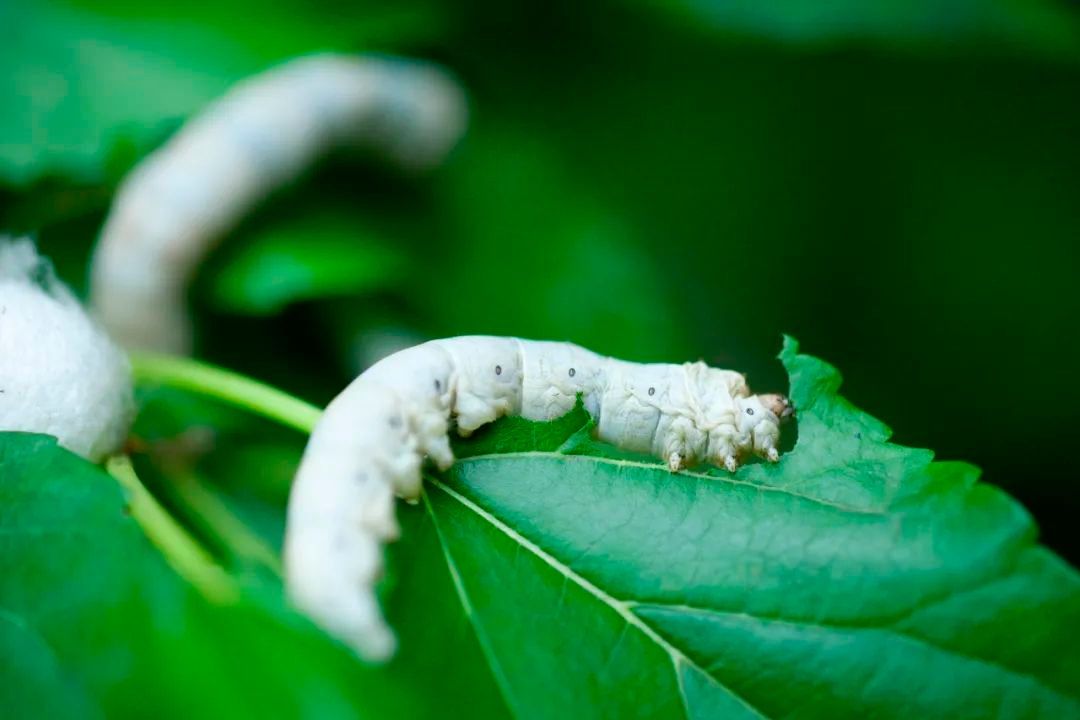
227, 386
182, 552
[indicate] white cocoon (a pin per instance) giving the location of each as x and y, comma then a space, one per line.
59, 373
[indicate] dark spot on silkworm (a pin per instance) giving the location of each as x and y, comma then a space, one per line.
652, 391
858, 436
395, 422
749, 411
573, 372
438, 385
498, 369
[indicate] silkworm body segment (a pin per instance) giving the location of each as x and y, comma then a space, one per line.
263, 133
372, 440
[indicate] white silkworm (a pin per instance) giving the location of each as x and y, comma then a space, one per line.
263, 133
371, 442
59, 373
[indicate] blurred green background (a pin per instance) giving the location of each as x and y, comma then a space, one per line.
895, 184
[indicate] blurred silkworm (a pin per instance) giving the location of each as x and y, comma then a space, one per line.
264, 132
59, 373
371, 442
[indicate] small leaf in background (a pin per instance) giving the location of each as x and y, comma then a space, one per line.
309, 256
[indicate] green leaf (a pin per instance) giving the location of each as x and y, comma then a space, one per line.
93, 622
310, 256
854, 578
33, 676
91, 87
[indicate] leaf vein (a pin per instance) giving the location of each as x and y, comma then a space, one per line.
619, 606
501, 680
900, 633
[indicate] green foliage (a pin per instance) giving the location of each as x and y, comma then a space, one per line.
1042, 26
521, 225
855, 577
91, 87
332, 253
895, 182
83, 587
95, 623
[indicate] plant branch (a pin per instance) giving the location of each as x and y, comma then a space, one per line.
225, 385
182, 552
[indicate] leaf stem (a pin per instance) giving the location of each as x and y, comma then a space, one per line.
182, 552
225, 385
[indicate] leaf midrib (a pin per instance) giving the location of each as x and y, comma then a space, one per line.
620, 607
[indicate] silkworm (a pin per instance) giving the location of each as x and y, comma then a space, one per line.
59, 373
264, 132
373, 438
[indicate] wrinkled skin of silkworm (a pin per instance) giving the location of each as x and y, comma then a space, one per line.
263, 133
373, 438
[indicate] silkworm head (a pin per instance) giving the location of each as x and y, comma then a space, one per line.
779, 405
749, 412
759, 423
